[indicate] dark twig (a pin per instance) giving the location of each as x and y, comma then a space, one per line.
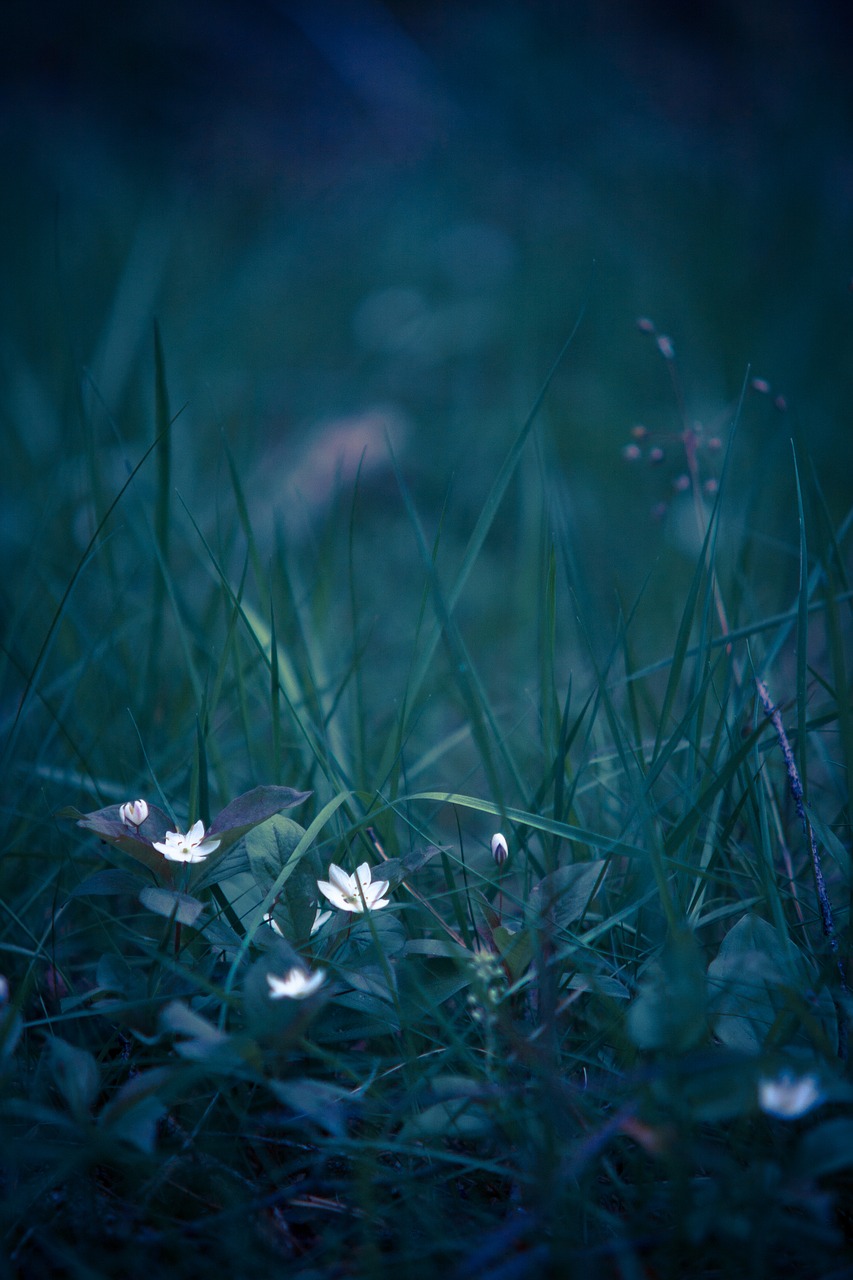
823, 897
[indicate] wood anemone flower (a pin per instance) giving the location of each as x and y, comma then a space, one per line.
297, 984
192, 847
788, 1096
354, 893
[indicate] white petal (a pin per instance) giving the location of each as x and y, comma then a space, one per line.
341, 880
268, 919
376, 890
319, 920
788, 1097
175, 855
195, 835
334, 894
363, 874
296, 984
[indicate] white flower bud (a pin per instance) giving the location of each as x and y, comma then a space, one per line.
500, 849
134, 813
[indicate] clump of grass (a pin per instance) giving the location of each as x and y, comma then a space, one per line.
611, 1043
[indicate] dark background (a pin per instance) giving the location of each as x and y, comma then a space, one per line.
381, 220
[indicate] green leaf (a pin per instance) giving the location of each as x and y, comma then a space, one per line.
755, 977
516, 949
669, 1011
133, 1114
75, 1073
134, 841
323, 1103
269, 849
425, 984
451, 1118
171, 904
437, 947
826, 1149
296, 907
203, 1041
395, 870
251, 809
11, 1026
107, 882
562, 897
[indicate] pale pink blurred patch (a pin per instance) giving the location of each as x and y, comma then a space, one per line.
300, 479
337, 448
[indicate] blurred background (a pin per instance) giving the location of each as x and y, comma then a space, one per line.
367, 226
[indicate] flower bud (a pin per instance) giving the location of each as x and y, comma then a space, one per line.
500, 849
665, 347
134, 813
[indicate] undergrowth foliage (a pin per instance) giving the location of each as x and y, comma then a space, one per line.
567, 1000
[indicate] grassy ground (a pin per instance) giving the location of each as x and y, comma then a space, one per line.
292, 500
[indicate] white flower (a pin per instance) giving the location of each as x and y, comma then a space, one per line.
500, 849
297, 984
354, 893
268, 919
134, 813
787, 1096
191, 847
319, 920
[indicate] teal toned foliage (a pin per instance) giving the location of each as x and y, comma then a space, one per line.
549, 973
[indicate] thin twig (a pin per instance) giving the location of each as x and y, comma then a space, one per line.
823, 897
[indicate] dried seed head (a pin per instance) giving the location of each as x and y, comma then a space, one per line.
665, 347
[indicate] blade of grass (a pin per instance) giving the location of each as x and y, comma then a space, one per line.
478, 536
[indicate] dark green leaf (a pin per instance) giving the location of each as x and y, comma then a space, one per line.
106, 882
76, 1075
323, 1103
270, 848
251, 809
669, 1011
170, 903
562, 897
